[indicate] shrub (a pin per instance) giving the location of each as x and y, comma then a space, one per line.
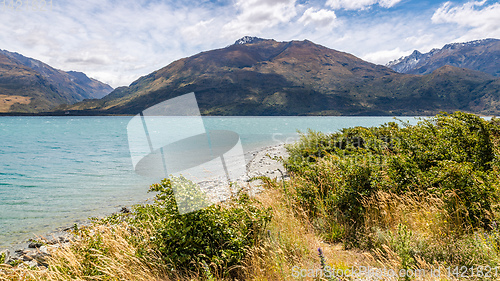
451, 156
459, 137
218, 235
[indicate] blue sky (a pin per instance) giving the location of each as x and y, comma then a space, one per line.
119, 41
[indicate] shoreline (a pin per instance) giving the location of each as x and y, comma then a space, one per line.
35, 249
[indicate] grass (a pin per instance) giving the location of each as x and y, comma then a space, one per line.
415, 197
421, 199
7, 101
109, 250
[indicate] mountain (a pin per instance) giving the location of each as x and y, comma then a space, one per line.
258, 76
29, 85
481, 55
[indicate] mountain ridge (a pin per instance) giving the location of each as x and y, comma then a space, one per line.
40, 86
258, 76
479, 55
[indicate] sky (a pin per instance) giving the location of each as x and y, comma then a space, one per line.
117, 41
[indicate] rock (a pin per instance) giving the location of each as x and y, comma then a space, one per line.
63, 239
35, 244
32, 263
26, 264
44, 250
68, 228
41, 257
53, 241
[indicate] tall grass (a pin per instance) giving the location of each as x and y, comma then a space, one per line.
415, 196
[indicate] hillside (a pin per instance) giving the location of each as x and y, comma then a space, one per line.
480, 55
264, 77
29, 85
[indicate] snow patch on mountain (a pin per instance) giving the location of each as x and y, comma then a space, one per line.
417, 60
248, 40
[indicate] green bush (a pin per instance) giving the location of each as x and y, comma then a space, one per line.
459, 137
469, 194
218, 235
346, 200
213, 239
449, 155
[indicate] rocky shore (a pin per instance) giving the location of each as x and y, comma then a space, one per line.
33, 253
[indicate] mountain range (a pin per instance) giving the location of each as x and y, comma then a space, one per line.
29, 86
257, 76
482, 55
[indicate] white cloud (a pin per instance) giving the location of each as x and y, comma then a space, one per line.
420, 38
319, 18
360, 4
256, 15
115, 42
196, 30
483, 19
384, 56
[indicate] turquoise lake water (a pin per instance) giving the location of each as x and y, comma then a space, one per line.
55, 171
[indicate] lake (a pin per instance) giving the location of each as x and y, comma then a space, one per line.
56, 171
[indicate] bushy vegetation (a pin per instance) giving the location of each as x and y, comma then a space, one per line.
369, 187
219, 235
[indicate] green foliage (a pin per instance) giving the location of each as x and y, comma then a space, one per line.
449, 155
15, 263
459, 137
403, 248
217, 235
470, 194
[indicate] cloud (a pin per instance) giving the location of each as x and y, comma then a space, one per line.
483, 19
319, 18
384, 56
420, 38
256, 15
197, 30
360, 4
109, 40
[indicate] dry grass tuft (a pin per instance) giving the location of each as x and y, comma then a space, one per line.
114, 259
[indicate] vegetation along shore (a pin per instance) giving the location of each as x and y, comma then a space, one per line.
394, 202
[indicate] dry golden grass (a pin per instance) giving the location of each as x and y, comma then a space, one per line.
291, 242
116, 261
424, 214
7, 101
